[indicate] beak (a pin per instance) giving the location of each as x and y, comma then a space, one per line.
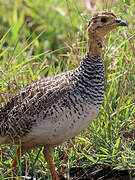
119, 22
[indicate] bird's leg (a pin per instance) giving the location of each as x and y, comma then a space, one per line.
48, 159
20, 152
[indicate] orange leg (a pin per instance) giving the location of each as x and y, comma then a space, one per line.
14, 162
49, 160
20, 152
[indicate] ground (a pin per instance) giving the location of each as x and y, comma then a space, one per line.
96, 172
100, 172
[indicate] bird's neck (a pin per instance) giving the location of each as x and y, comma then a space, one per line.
95, 44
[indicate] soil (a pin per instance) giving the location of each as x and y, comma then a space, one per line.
94, 172
99, 172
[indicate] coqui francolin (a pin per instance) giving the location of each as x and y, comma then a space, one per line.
54, 109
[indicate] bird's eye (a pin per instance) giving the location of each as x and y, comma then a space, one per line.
103, 19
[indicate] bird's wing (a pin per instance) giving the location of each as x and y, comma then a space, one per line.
15, 115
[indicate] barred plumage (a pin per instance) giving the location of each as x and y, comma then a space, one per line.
52, 98
52, 110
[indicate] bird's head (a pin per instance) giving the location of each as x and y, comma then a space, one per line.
100, 25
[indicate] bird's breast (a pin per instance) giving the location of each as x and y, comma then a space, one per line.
76, 109
63, 120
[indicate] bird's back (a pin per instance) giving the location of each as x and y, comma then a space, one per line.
56, 108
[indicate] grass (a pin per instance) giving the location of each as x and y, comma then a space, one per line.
42, 39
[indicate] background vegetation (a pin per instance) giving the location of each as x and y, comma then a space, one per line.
44, 38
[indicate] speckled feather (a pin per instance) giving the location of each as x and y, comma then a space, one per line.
68, 98
57, 108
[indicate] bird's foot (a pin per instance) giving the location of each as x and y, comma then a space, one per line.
55, 176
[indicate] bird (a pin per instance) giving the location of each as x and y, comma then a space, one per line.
54, 109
